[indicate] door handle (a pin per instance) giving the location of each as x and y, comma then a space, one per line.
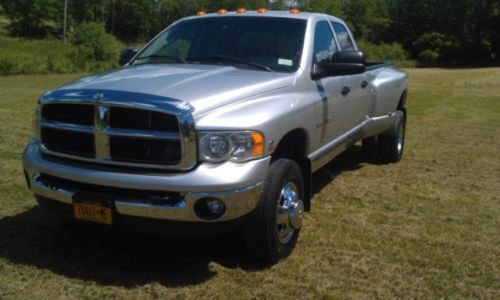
345, 90
364, 84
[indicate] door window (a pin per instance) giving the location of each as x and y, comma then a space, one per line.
344, 39
324, 44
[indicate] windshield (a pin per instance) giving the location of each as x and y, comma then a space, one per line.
265, 42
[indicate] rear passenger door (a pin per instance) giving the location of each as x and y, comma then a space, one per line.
359, 101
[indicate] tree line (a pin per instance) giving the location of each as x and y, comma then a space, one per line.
446, 31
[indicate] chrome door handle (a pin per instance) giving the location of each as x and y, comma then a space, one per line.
345, 90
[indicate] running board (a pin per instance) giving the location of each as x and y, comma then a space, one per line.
369, 127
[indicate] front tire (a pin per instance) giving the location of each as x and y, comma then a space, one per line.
273, 229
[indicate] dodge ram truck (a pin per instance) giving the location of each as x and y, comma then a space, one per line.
217, 123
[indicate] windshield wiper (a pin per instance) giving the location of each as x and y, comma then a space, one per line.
161, 56
233, 59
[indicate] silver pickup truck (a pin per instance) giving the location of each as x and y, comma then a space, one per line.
217, 123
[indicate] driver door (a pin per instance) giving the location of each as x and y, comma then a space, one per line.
332, 108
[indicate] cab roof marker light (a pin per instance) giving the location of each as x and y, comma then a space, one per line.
222, 11
294, 11
262, 10
200, 13
241, 10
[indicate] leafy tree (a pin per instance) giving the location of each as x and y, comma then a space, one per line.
94, 45
172, 10
432, 30
332, 7
135, 19
214, 5
456, 30
286, 4
91, 11
33, 18
492, 29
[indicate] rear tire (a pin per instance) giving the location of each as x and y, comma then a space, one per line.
274, 226
393, 140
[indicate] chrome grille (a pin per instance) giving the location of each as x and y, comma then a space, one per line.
112, 134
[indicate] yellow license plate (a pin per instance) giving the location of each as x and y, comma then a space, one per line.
93, 212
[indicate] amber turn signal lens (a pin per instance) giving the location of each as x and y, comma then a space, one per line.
258, 143
200, 13
241, 10
294, 11
262, 10
222, 11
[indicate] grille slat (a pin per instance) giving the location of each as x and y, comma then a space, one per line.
159, 135
69, 142
66, 126
142, 150
133, 135
129, 118
79, 114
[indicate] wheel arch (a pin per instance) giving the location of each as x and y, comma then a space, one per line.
294, 145
402, 101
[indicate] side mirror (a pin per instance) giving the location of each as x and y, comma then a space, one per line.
343, 63
126, 55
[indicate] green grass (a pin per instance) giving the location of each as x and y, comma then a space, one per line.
427, 227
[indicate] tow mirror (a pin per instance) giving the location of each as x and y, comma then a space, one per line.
126, 55
343, 63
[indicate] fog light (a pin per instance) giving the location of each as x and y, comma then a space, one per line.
215, 206
209, 208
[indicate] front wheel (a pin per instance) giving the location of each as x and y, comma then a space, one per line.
274, 227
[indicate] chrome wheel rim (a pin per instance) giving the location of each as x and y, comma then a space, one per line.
401, 139
289, 213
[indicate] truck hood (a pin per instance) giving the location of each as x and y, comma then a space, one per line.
204, 87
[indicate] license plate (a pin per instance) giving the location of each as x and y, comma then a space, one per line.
93, 211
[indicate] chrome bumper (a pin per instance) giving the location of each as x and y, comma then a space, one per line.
239, 186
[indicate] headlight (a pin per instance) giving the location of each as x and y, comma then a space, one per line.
235, 146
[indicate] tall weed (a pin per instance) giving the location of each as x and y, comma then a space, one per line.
393, 53
95, 51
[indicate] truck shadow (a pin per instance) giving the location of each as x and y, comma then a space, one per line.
350, 160
108, 257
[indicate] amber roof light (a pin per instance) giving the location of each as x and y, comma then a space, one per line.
262, 10
294, 11
200, 13
241, 10
222, 11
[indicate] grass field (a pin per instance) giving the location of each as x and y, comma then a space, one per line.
428, 227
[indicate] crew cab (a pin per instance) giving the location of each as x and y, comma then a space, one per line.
217, 123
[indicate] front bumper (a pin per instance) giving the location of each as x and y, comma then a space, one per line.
239, 186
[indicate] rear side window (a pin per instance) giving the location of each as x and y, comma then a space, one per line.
343, 36
324, 44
